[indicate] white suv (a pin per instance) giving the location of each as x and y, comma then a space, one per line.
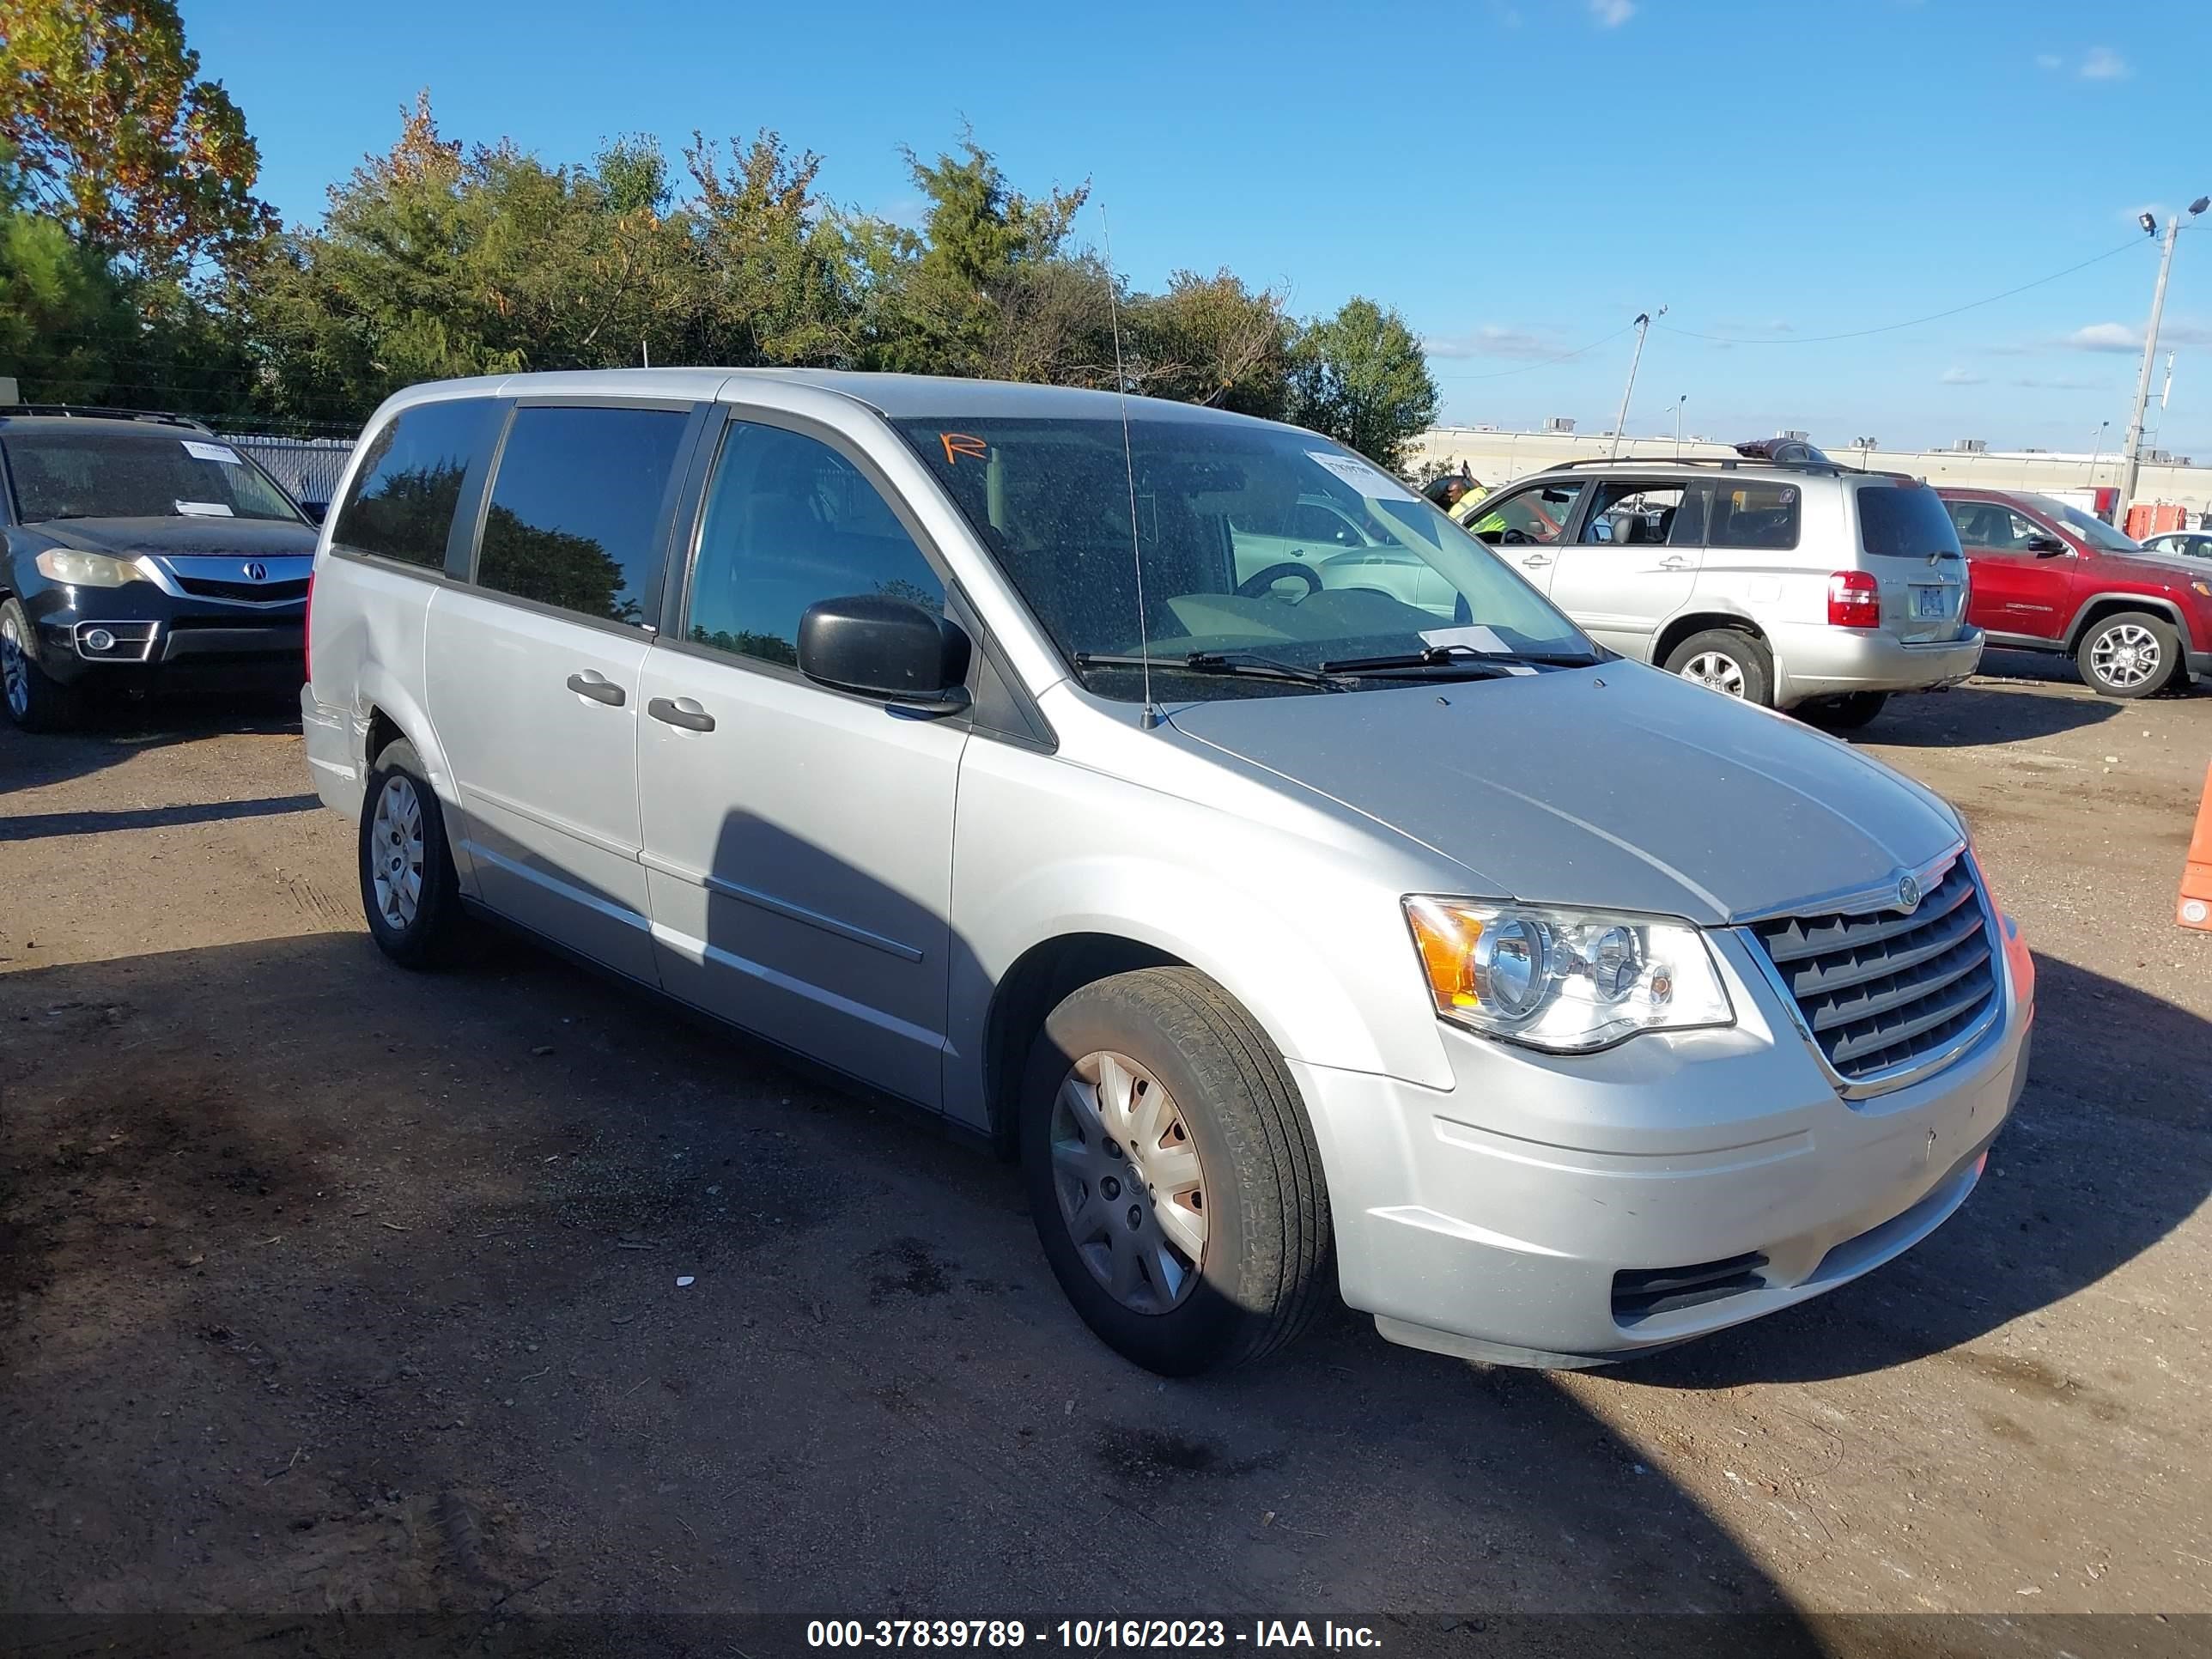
1801, 585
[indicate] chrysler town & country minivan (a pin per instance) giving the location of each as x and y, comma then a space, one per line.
1299, 923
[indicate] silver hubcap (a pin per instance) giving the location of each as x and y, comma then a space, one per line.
15, 668
1131, 1188
2125, 656
395, 853
1721, 673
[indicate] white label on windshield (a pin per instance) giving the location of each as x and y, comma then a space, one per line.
1475, 638
223, 453
1370, 481
205, 510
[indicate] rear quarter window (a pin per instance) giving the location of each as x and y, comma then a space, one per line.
1899, 521
401, 503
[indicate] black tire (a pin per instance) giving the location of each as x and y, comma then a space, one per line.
1747, 653
1845, 713
424, 937
34, 700
1265, 1268
2123, 637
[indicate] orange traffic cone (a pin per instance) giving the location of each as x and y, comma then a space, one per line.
2196, 910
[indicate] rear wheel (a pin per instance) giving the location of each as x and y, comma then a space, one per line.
35, 699
408, 890
1727, 661
1172, 1175
2131, 654
1847, 713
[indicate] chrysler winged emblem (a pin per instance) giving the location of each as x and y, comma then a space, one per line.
1908, 895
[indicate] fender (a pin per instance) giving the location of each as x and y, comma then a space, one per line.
2169, 609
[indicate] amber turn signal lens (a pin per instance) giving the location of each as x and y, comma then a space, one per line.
1446, 939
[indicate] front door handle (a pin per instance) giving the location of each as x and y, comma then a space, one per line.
682, 712
1674, 562
1536, 561
597, 687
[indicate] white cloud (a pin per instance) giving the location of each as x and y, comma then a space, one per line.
2048, 60
1964, 377
2103, 63
1612, 14
2105, 336
1491, 340
2060, 383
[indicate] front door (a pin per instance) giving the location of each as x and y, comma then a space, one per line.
1527, 526
532, 673
798, 840
1634, 564
2017, 584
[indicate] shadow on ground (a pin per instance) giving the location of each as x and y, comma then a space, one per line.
112, 732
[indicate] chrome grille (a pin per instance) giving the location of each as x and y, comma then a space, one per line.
1883, 990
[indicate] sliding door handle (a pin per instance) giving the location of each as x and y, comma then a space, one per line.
682, 712
597, 687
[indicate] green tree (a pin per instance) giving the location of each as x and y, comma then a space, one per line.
119, 138
1212, 340
1360, 376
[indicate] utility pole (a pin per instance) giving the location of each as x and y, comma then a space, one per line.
1643, 327
2132, 458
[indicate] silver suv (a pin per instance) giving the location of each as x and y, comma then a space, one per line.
1796, 583
1302, 919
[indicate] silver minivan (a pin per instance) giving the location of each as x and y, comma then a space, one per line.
1799, 584
1300, 924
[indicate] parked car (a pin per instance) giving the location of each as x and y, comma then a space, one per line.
2049, 577
141, 553
2180, 544
1563, 1011
1794, 583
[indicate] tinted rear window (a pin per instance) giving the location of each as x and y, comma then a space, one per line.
1754, 515
401, 503
575, 509
1901, 521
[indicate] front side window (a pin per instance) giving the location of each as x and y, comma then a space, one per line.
401, 502
1537, 516
1050, 500
2087, 526
1990, 526
789, 523
575, 510
1755, 515
134, 473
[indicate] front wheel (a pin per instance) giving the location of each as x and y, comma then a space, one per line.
1727, 661
408, 889
2132, 655
1172, 1175
35, 699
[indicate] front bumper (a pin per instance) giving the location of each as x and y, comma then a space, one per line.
1818, 661
1524, 1215
162, 641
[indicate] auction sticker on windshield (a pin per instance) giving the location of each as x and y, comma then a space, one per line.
1371, 482
222, 453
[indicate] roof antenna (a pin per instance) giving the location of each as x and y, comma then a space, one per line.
1150, 717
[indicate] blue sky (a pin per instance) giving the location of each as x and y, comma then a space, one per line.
1519, 177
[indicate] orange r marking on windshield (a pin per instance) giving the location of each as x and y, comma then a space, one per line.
957, 444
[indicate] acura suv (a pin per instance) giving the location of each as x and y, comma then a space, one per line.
1777, 575
141, 553
1302, 924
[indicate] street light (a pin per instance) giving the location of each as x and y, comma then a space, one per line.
2133, 444
2097, 448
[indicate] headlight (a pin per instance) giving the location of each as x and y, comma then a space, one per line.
1568, 981
74, 569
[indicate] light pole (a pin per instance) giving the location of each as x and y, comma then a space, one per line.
2133, 445
1643, 327
2096, 449
1678, 402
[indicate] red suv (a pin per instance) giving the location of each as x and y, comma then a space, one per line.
2046, 576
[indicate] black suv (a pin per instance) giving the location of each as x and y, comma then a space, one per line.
141, 552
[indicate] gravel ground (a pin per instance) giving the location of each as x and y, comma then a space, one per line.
324, 1286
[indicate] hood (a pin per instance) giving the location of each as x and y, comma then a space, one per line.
2158, 569
265, 538
1617, 787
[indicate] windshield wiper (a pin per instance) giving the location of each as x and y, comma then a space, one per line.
1463, 659
1219, 662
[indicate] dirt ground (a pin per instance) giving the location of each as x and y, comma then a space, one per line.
324, 1286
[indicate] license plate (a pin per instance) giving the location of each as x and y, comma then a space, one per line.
1930, 602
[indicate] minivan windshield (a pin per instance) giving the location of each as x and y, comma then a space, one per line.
2090, 528
135, 474
1260, 547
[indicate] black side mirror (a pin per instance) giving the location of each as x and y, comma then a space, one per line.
316, 511
892, 649
2045, 547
